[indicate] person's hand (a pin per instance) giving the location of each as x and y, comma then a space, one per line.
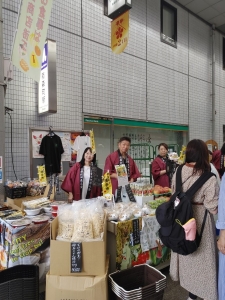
114, 175
221, 241
162, 172
131, 180
70, 198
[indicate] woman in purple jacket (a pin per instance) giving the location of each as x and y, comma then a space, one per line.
159, 172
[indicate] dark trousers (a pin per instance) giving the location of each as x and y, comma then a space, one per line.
192, 296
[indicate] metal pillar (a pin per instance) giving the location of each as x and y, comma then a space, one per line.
213, 84
2, 108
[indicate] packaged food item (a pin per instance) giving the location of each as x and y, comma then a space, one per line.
83, 229
66, 222
97, 217
35, 188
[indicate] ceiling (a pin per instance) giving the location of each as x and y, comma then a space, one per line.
212, 11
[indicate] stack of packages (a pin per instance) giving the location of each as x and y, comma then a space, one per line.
78, 263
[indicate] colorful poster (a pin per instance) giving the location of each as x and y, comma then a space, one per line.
120, 33
30, 36
37, 137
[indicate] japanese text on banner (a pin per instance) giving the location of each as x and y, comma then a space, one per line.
31, 35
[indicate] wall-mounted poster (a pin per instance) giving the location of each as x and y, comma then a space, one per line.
37, 137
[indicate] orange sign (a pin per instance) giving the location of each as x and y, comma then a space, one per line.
120, 33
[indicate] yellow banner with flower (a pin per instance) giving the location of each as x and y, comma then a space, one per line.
107, 186
120, 33
30, 36
92, 141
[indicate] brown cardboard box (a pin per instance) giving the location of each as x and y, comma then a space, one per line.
93, 255
77, 288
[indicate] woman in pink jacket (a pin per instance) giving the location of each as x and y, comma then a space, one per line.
83, 180
159, 172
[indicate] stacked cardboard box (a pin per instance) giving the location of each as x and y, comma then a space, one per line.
63, 282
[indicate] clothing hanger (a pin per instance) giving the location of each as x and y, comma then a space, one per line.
51, 132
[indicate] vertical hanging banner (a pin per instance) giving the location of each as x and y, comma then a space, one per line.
30, 36
120, 33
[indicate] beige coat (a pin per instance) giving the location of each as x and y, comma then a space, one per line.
197, 272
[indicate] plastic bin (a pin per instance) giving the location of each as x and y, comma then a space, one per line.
20, 283
13, 193
137, 283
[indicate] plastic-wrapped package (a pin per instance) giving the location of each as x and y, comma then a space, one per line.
66, 222
111, 214
83, 229
97, 216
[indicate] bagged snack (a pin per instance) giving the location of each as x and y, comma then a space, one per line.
97, 216
83, 230
66, 222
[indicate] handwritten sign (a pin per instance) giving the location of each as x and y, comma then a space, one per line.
76, 257
136, 232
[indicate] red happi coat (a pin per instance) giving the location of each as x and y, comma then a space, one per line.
216, 160
158, 165
71, 184
112, 160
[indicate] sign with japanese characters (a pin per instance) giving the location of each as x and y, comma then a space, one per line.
30, 36
120, 33
47, 90
76, 257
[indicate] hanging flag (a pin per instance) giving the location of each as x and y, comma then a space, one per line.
92, 141
107, 186
30, 36
120, 33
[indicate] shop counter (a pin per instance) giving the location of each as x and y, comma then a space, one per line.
128, 245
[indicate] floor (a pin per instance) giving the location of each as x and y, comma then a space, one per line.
173, 291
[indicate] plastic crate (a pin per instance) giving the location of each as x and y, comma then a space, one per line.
20, 283
157, 296
13, 193
139, 282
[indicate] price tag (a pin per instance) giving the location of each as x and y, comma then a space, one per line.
76, 257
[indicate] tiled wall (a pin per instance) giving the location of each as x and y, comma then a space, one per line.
149, 81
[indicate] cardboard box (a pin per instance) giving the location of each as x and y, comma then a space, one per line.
77, 287
93, 255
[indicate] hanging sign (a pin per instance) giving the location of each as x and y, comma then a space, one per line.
120, 33
114, 8
30, 37
47, 90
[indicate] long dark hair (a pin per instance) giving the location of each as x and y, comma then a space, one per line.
197, 152
82, 162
